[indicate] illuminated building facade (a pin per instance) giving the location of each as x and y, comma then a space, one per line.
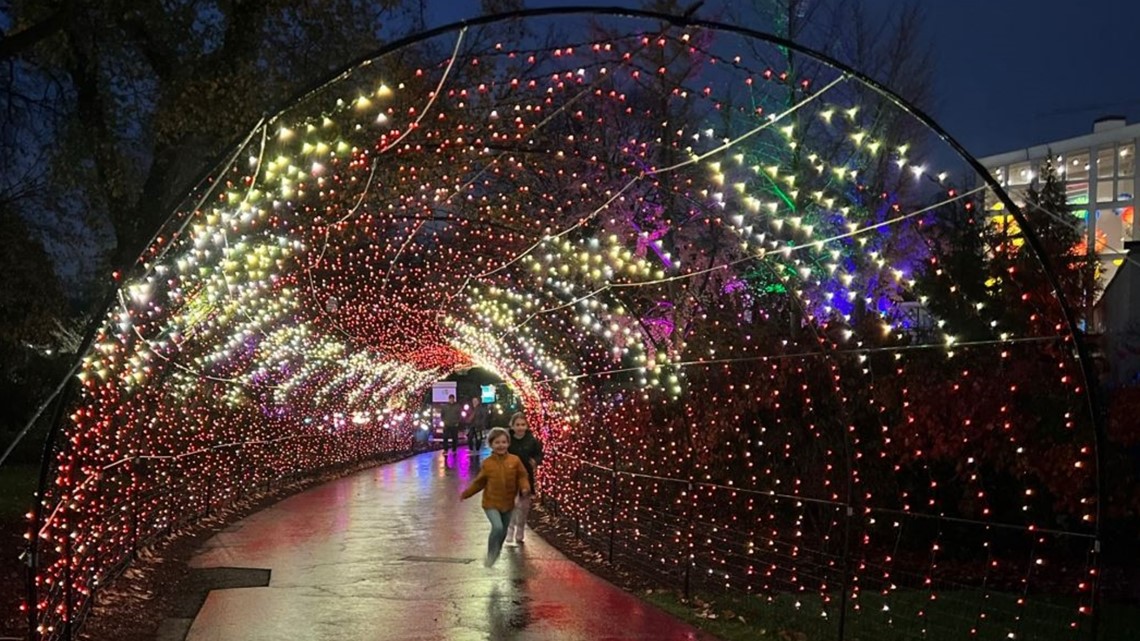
1099, 170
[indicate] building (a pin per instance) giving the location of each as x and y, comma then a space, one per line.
1099, 170
1100, 178
1118, 321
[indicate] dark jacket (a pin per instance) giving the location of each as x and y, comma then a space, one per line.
526, 448
449, 414
479, 417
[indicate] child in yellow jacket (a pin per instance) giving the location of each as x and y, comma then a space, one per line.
501, 477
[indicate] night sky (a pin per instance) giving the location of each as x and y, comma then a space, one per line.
1011, 73
1015, 73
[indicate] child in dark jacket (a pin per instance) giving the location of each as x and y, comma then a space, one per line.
501, 478
528, 448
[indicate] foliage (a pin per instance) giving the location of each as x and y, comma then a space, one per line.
1022, 274
954, 280
783, 377
112, 110
986, 286
151, 93
742, 617
34, 339
17, 482
31, 302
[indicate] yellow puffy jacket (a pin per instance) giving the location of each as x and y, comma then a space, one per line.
501, 478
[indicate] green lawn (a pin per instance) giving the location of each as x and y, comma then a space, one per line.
17, 482
952, 616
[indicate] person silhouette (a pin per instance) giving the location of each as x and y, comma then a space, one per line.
450, 414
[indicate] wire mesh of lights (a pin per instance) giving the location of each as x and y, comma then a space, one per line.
708, 273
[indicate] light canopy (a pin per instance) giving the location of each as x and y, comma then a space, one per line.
702, 259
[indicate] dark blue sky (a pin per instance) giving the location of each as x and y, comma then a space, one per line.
1011, 73
1014, 73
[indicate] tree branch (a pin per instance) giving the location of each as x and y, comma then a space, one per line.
14, 44
161, 56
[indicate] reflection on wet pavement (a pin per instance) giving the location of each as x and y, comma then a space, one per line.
391, 553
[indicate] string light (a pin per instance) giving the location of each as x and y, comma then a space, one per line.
695, 275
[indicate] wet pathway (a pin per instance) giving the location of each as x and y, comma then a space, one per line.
391, 553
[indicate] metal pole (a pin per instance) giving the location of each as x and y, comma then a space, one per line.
209, 490
688, 547
134, 530
613, 511
30, 585
688, 570
846, 587
68, 606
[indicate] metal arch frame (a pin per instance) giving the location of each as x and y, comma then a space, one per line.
66, 390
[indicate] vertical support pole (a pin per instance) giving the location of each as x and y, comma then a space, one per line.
688, 547
135, 532
31, 593
846, 586
1094, 627
613, 510
849, 515
212, 474
687, 586
68, 597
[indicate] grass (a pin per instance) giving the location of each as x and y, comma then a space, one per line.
952, 616
17, 483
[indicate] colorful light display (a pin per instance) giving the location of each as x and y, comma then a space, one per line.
693, 268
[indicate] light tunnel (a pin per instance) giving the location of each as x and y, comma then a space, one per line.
770, 334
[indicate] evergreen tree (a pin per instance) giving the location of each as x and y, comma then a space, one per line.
979, 273
1060, 237
956, 277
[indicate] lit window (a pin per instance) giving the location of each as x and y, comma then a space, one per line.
1020, 173
999, 175
1127, 160
1109, 229
992, 202
1077, 166
1104, 163
1104, 193
1077, 193
1009, 232
1125, 189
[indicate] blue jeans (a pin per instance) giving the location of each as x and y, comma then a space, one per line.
499, 522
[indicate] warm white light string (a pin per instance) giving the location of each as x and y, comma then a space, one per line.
797, 248
695, 159
633, 181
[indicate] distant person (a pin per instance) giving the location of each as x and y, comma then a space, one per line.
476, 424
528, 448
450, 414
501, 478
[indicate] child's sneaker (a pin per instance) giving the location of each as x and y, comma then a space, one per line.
510, 544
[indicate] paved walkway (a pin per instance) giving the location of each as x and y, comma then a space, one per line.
391, 553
